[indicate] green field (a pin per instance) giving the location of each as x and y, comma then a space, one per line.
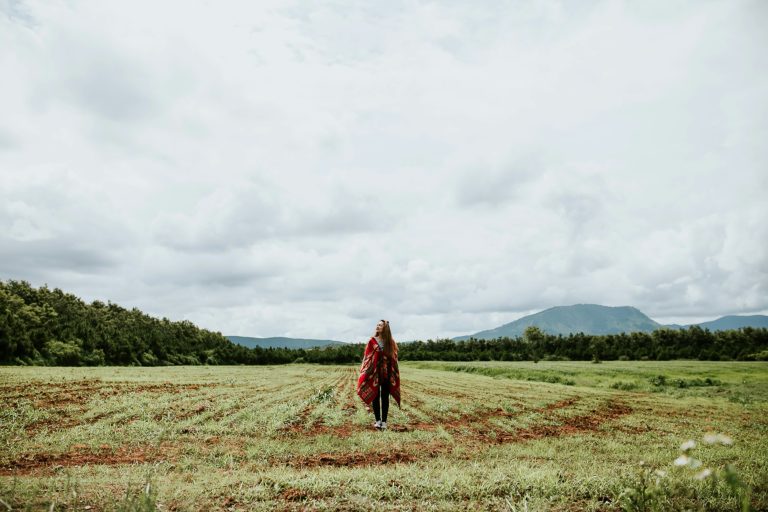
477, 436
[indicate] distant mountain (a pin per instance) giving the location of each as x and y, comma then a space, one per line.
596, 319
735, 322
280, 342
586, 318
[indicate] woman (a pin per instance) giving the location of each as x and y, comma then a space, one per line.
379, 374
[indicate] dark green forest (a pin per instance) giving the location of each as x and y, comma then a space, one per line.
40, 326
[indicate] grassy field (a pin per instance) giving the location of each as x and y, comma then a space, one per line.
477, 436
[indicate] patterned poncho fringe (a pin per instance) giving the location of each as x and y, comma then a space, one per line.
376, 365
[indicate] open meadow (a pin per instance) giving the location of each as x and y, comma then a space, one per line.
478, 436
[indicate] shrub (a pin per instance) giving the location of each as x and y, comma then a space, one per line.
326, 394
63, 354
94, 358
661, 380
758, 356
626, 386
148, 358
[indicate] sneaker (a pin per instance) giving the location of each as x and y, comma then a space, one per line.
383, 425
377, 424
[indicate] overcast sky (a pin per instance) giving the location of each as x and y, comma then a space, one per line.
305, 169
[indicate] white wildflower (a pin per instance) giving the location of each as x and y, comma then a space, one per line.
706, 472
682, 460
712, 438
688, 445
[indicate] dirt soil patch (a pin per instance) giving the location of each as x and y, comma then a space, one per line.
299, 424
54, 396
165, 387
573, 425
82, 455
292, 494
62, 422
351, 459
478, 425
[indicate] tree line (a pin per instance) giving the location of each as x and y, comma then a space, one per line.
745, 344
40, 326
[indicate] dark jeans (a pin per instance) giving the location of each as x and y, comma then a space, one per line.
384, 397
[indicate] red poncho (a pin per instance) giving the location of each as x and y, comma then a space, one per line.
377, 367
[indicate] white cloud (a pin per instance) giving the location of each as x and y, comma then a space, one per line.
303, 170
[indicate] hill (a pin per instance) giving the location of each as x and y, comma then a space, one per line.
281, 342
596, 319
586, 318
735, 322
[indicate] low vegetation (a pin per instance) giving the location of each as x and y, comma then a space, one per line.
480, 436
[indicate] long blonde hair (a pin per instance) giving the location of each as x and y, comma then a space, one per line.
390, 346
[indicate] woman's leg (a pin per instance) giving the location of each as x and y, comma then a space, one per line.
384, 394
376, 413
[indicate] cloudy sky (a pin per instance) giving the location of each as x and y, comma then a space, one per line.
304, 168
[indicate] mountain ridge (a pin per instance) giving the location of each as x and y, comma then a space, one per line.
727, 322
598, 319
586, 318
281, 342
